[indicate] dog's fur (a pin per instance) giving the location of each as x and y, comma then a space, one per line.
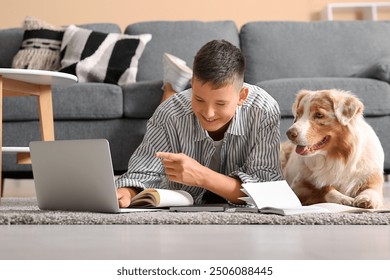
333, 154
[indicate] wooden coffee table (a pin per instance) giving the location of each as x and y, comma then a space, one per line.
26, 82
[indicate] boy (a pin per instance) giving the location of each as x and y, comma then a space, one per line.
209, 139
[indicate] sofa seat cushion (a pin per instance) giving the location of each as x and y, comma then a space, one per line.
374, 94
277, 50
75, 102
141, 99
180, 38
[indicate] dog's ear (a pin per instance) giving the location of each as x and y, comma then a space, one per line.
347, 107
301, 94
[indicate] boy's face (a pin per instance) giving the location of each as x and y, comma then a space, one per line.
216, 107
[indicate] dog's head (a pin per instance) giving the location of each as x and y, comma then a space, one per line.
322, 120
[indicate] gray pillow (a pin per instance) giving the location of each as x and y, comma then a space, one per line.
379, 71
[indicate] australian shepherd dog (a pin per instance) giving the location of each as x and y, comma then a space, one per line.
333, 154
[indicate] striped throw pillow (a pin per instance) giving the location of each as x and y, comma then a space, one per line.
102, 57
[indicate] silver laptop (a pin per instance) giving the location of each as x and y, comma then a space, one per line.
74, 175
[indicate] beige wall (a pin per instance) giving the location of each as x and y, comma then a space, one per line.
123, 12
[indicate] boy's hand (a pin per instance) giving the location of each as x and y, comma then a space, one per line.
124, 197
182, 169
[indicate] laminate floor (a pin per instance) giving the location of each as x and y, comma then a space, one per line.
194, 242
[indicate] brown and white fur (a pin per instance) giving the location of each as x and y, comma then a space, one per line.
333, 154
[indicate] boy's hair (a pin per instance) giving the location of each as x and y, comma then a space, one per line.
220, 63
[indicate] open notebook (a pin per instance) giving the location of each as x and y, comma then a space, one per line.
278, 198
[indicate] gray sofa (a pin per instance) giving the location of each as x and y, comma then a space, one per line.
282, 58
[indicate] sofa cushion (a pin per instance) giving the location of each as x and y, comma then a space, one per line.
10, 40
105, 27
76, 102
379, 70
373, 93
180, 38
312, 49
40, 48
101, 57
141, 99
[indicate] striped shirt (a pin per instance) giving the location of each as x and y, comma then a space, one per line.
250, 147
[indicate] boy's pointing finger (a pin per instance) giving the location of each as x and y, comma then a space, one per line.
164, 155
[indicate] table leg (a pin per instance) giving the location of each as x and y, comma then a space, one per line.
45, 104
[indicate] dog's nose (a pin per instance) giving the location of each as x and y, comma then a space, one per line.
292, 133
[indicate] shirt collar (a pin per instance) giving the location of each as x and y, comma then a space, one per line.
200, 132
236, 126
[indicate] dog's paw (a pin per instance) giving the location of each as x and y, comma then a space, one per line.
346, 200
335, 196
367, 201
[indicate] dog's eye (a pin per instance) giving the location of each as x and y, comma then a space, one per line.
297, 116
318, 115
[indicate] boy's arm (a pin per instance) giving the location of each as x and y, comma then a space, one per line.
222, 185
183, 169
